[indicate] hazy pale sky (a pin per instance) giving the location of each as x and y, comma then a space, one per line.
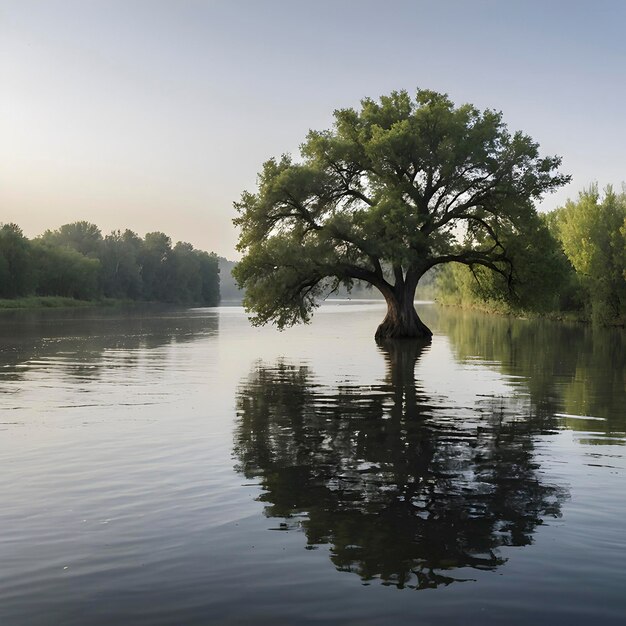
156, 115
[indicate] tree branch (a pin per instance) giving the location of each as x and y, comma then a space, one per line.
476, 257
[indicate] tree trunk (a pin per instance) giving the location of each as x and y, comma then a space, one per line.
402, 321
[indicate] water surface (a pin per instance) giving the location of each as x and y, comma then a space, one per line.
182, 467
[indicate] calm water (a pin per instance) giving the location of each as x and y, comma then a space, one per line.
185, 468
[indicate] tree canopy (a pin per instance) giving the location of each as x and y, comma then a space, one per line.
577, 264
76, 261
392, 190
592, 231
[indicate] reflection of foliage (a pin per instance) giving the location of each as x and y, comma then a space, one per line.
578, 369
404, 490
78, 341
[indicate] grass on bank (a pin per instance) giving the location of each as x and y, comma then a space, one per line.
53, 302
501, 308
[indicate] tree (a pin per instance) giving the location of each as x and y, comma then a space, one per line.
155, 262
63, 271
83, 236
186, 285
544, 278
16, 270
210, 273
76, 261
393, 190
120, 275
622, 230
594, 240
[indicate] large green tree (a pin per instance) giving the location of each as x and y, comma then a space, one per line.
394, 189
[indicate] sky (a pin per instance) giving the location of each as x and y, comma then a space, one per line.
156, 115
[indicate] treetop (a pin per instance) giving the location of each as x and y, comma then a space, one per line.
398, 186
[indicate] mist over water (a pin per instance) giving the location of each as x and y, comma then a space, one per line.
182, 467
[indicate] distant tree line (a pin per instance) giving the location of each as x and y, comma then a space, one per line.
577, 264
76, 261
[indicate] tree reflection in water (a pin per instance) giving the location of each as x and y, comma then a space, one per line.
87, 343
404, 489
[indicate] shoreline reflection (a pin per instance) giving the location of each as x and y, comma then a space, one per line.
84, 344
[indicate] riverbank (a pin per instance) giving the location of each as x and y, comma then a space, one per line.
576, 317
54, 302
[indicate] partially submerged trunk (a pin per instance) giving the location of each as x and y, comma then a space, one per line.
402, 321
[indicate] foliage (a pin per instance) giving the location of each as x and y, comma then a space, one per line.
120, 275
542, 273
75, 261
62, 271
580, 264
84, 237
394, 189
209, 272
591, 231
154, 260
16, 268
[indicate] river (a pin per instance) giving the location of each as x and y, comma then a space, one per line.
184, 467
